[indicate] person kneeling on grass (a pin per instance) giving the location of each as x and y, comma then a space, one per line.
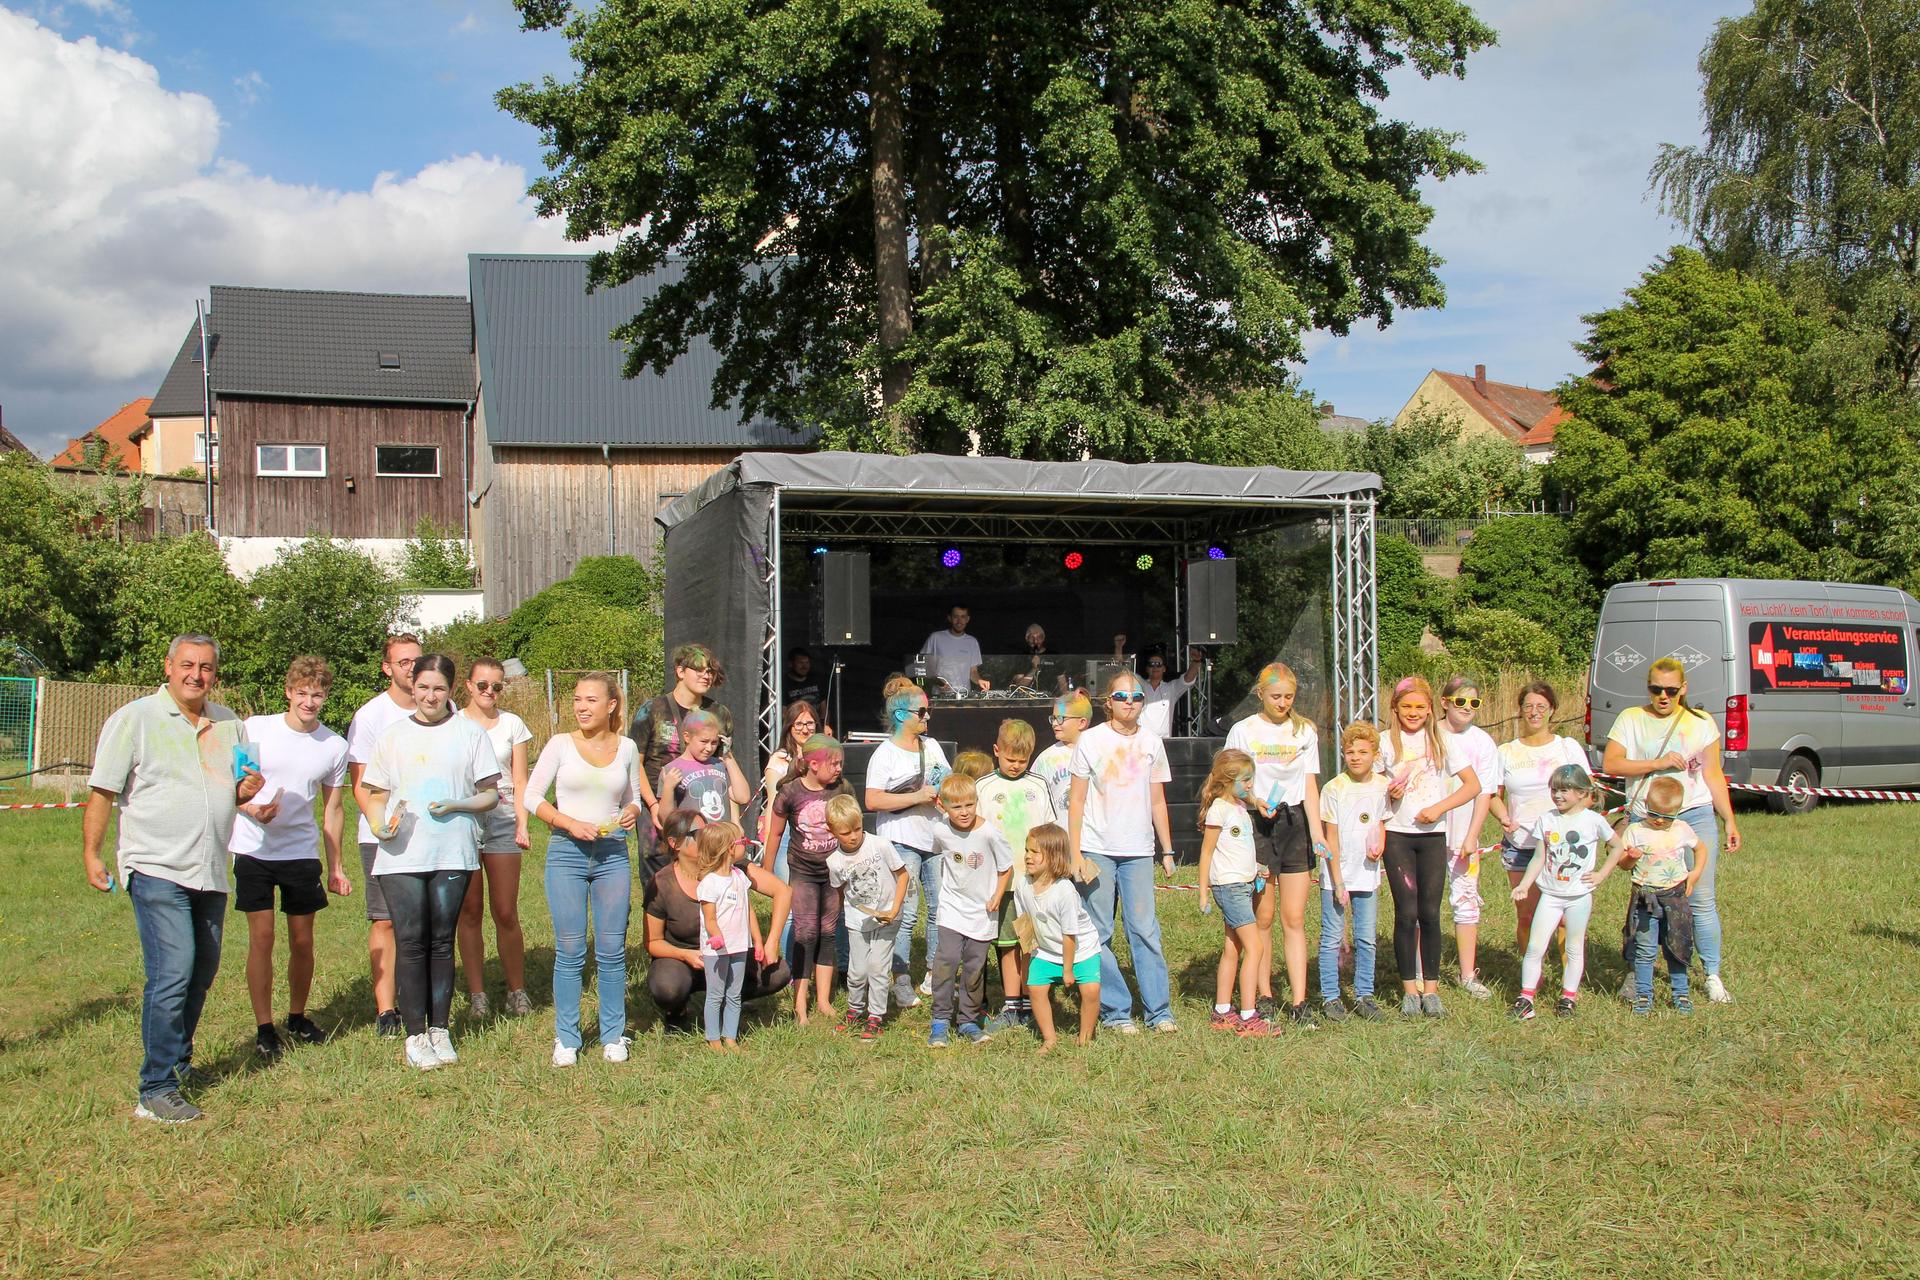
975, 868
873, 879
676, 971
731, 931
1660, 912
1566, 846
1229, 872
1064, 941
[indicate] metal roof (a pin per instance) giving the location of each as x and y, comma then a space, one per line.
550, 374
181, 392
310, 344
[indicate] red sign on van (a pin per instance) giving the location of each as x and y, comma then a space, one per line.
1826, 657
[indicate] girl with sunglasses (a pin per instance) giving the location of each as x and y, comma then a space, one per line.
503, 835
1460, 702
1670, 738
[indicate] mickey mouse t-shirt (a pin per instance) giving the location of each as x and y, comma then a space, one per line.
1571, 844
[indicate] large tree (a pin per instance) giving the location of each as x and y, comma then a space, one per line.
1041, 229
1811, 165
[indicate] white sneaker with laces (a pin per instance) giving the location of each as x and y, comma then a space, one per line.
1717, 990
442, 1045
420, 1054
1475, 988
926, 985
616, 1051
563, 1056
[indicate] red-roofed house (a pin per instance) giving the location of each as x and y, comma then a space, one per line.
120, 434
1520, 414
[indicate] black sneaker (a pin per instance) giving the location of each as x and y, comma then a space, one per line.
303, 1028
1300, 1017
1563, 1007
1367, 1011
266, 1042
1522, 1009
389, 1024
1333, 1011
1266, 1007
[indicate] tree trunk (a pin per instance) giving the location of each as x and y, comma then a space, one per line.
895, 292
1010, 165
930, 183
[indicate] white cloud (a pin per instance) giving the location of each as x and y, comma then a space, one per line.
467, 25
249, 87
120, 212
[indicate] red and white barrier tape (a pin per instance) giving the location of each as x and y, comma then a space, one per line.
70, 804
1773, 789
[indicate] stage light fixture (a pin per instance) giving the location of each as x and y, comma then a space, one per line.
1073, 560
819, 551
1144, 562
1216, 553
950, 557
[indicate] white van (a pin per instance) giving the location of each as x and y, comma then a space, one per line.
1810, 682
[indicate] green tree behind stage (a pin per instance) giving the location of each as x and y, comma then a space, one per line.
1041, 230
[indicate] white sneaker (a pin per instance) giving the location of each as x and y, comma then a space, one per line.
617, 1050
1717, 990
904, 996
926, 985
442, 1045
420, 1054
563, 1056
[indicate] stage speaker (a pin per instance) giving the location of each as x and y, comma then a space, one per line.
846, 611
1212, 617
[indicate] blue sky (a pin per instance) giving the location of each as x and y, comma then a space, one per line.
154, 148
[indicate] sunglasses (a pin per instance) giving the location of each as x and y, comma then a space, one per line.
920, 712
1469, 704
1663, 690
1126, 697
489, 686
1155, 663
1655, 816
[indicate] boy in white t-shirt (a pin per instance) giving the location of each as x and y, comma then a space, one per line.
872, 877
275, 845
1069, 718
378, 714
1013, 801
1353, 810
975, 869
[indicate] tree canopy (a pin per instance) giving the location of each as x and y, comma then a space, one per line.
1039, 231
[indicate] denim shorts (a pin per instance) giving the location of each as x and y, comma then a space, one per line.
1045, 973
1236, 904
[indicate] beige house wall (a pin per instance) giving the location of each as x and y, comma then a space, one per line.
168, 447
1434, 393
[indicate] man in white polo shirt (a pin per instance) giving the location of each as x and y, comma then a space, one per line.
172, 763
380, 713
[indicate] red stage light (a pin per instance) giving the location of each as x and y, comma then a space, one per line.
1073, 560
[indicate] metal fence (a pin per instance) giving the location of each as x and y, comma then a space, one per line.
1448, 533
544, 699
70, 716
19, 717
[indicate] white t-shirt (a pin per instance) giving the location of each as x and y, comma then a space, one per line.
728, 893
1120, 771
1013, 807
508, 732
1572, 848
1356, 811
1426, 785
1283, 756
587, 792
867, 875
890, 769
1233, 857
296, 766
1050, 766
419, 764
1478, 749
1524, 772
1058, 912
1645, 736
1663, 853
374, 718
954, 657
1157, 714
971, 862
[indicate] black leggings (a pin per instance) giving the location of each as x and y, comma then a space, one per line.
672, 983
816, 918
1417, 875
425, 906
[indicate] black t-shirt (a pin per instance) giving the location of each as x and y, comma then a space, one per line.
679, 916
807, 690
656, 731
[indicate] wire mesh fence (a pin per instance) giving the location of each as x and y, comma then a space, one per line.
19, 716
71, 714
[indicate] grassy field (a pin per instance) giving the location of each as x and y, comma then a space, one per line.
1780, 1136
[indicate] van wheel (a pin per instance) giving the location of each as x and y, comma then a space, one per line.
1800, 771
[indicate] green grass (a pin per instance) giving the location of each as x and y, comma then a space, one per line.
1780, 1136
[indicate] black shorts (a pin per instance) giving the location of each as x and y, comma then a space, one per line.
254, 880
1282, 842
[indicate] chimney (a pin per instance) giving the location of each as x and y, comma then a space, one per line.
1480, 378
1326, 408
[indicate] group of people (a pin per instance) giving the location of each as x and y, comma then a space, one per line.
1026, 860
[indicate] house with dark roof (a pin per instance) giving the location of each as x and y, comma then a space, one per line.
174, 440
571, 458
345, 414
1523, 415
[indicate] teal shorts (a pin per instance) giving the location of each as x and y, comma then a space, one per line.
1045, 973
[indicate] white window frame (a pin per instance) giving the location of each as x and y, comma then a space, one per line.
200, 448
406, 475
289, 472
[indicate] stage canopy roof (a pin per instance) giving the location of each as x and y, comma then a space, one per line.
941, 497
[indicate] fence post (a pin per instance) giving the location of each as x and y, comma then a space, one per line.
38, 749
553, 716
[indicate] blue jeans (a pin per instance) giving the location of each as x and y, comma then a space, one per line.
1646, 949
1366, 917
1131, 881
1706, 911
924, 867
725, 975
598, 873
180, 948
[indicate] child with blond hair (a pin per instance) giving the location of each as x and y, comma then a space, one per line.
1013, 801
872, 878
1229, 870
730, 932
1353, 809
1066, 946
1668, 857
975, 869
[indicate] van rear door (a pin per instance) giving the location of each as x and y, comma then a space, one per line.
1641, 622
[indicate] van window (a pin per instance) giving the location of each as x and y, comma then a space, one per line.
1825, 657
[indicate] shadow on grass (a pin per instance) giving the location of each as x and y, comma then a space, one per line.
1888, 933
87, 1011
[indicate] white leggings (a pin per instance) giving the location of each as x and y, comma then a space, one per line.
1552, 912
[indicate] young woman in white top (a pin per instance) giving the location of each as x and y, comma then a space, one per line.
595, 774
1459, 704
1116, 820
1669, 737
438, 771
1286, 827
1526, 764
502, 838
903, 778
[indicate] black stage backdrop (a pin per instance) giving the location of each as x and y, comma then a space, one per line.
716, 595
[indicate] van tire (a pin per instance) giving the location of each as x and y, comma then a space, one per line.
1799, 771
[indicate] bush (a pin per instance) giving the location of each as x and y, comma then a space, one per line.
1526, 565
620, 581
324, 597
595, 637
167, 588
468, 639
1494, 640
1410, 598
436, 558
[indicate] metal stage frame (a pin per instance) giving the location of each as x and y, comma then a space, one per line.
929, 498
